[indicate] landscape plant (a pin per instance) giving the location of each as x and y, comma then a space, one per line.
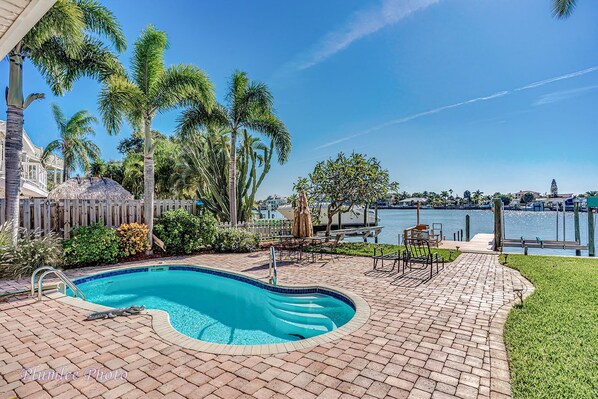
151, 88
250, 107
235, 240
203, 170
184, 233
66, 43
344, 182
33, 250
132, 239
92, 245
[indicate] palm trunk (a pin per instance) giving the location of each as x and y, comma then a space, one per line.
13, 147
232, 177
148, 180
14, 142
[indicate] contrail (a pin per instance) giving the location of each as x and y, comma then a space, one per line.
460, 104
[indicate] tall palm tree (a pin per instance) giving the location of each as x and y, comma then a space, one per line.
66, 44
77, 150
249, 106
149, 89
563, 8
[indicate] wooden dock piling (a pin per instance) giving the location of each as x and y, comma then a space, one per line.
467, 227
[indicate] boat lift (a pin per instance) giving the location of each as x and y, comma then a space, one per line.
500, 241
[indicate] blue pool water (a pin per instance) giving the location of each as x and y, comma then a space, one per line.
221, 308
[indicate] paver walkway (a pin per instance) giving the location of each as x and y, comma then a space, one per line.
439, 339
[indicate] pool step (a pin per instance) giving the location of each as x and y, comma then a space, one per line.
320, 299
312, 319
294, 328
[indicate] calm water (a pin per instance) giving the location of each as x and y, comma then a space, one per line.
517, 224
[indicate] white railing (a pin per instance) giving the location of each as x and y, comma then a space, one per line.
265, 228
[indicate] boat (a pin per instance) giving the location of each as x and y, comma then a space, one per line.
352, 218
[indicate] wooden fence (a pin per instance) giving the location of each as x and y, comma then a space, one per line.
61, 216
265, 228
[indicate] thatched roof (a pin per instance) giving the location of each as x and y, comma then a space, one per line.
90, 188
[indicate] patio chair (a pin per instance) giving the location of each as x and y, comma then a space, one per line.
396, 257
330, 248
417, 250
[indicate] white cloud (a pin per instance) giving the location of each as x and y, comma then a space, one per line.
361, 24
553, 97
563, 95
557, 78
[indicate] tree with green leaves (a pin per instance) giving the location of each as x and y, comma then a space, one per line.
68, 42
554, 189
151, 88
344, 182
249, 107
204, 168
74, 145
527, 198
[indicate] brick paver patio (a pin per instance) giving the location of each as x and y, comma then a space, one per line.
438, 339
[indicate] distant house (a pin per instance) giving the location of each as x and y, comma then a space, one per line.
412, 201
520, 194
274, 201
34, 175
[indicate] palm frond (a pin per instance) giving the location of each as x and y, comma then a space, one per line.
273, 128
147, 62
182, 85
49, 150
198, 116
119, 98
60, 70
101, 21
64, 20
563, 8
58, 117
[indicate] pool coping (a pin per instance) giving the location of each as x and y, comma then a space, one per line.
162, 326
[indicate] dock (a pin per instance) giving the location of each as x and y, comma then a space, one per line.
365, 232
548, 244
481, 243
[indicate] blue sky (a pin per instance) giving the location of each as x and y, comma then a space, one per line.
448, 94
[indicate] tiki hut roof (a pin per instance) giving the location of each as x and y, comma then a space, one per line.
100, 188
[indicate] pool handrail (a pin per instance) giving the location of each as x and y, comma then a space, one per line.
273, 277
61, 276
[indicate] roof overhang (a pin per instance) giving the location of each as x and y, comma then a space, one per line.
17, 17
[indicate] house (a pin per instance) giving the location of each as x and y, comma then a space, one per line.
412, 201
34, 176
520, 194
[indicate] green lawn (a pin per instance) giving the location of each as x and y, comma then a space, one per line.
367, 249
552, 340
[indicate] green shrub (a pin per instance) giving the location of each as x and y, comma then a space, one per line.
183, 233
235, 240
92, 245
31, 252
133, 239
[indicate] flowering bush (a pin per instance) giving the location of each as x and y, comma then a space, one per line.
92, 245
133, 239
235, 240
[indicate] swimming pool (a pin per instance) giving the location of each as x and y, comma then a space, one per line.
220, 307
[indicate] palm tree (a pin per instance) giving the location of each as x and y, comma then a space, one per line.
563, 8
64, 45
77, 150
151, 88
249, 106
